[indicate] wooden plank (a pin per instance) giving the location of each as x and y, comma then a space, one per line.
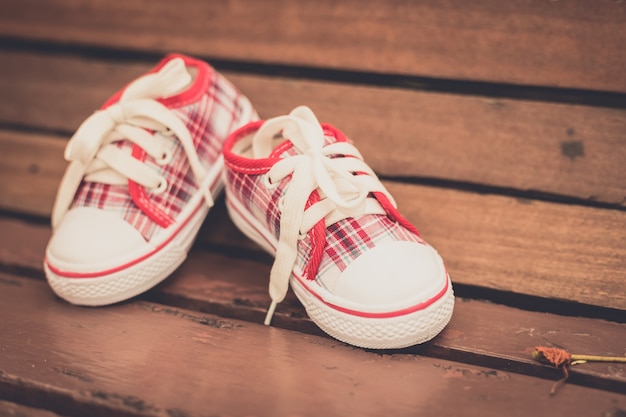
9, 409
530, 247
547, 250
484, 333
561, 149
142, 358
236, 287
532, 42
31, 167
554, 251
23, 244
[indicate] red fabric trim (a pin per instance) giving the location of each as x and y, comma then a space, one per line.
245, 165
97, 274
139, 196
394, 214
408, 310
308, 274
196, 90
318, 238
191, 95
188, 96
250, 166
280, 149
242, 164
331, 130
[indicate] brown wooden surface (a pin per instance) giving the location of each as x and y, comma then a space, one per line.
529, 247
146, 358
532, 271
567, 44
480, 333
561, 149
30, 171
549, 250
9, 409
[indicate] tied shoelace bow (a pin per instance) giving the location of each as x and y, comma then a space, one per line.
94, 156
336, 173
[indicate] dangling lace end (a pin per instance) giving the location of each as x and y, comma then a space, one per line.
270, 313
208, 197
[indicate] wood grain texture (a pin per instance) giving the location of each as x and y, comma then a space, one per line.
237, 287
548, 250
561, 149
141, 358
9, 409
31, 167
194, 345
567, 150
531, 247
566, 44
480, 333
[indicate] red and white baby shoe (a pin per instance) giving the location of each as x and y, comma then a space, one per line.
143, 172
302, 191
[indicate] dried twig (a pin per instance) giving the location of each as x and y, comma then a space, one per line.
562, 359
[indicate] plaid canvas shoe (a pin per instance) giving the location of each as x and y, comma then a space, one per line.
143, 172
304, 194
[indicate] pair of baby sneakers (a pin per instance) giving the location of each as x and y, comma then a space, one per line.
145, 169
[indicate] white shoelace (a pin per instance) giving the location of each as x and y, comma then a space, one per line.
330, 170
94, 156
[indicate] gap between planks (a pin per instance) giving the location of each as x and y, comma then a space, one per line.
561, 149
486, 40
480, 333
541, 249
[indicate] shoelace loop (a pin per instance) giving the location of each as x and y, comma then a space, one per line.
92, 151
336, 171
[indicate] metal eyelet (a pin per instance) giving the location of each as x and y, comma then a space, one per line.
267, 181
161, 188
165, 158
281, 203
167, 132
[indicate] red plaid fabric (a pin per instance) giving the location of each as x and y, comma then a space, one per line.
345, 240
210, 116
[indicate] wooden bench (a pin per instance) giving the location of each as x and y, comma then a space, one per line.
500, 128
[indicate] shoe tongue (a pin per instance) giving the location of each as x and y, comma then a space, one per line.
300, 127
171, 79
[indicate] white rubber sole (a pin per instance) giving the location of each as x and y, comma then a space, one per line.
133, 277
132, 280
398, 331
379, 333
147, 269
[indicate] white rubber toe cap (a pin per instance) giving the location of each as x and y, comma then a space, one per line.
391, 276
90, 239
